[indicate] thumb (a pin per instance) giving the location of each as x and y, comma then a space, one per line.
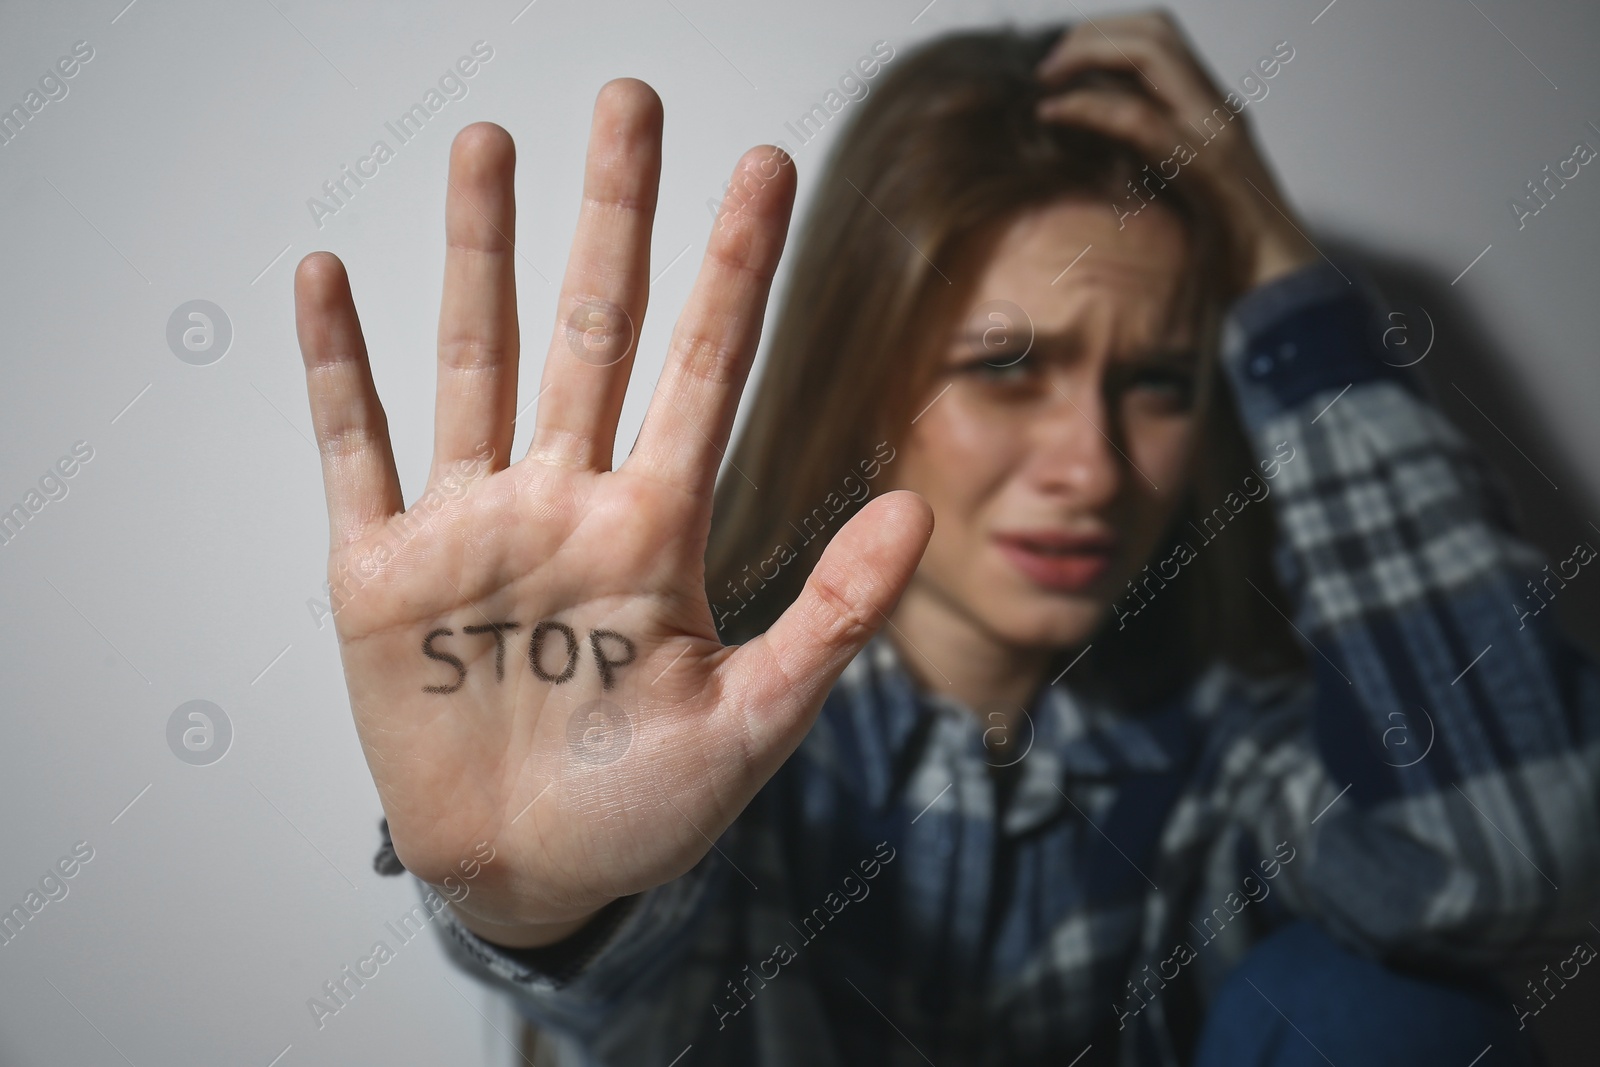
779, 679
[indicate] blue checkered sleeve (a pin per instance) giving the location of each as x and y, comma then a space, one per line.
597, 1000
1440, 769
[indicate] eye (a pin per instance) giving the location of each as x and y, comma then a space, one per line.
998, 371
1171, 387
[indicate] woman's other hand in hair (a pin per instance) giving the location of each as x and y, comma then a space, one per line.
1161, 100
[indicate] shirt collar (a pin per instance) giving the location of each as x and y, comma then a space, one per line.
1064, 737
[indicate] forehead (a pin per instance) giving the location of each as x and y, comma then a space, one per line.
1066, 257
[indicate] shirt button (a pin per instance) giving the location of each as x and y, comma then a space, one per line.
1261, 365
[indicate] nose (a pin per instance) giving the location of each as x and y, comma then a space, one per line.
1075, 451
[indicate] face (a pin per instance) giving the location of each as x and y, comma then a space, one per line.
1054, 468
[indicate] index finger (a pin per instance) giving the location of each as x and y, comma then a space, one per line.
691, 414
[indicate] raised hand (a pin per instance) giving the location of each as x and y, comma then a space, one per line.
529, 651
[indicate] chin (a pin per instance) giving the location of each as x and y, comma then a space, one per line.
1057, 623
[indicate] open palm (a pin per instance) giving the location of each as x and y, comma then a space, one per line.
529, 652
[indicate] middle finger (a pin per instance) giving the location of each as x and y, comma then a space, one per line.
607, 282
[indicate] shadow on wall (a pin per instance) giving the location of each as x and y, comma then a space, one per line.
1467, 367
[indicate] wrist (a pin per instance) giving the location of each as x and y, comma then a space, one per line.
1280, 255
522, 935
1280, 246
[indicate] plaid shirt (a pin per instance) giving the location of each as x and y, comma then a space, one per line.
886, 900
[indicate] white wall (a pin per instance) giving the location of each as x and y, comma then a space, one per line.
180, 564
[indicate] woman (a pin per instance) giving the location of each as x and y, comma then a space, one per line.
1094, 769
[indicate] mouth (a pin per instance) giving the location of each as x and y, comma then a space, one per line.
1060, 563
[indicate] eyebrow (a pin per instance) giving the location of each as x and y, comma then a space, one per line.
1157, 353
1175, 353
973, 335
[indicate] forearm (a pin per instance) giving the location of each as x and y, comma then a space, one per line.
582, 981
1432, 701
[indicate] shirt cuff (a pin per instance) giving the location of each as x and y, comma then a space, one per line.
1314, 329
563, 960
548, 966
628, 938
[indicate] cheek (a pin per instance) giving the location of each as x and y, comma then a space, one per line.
1163, 448
958, 456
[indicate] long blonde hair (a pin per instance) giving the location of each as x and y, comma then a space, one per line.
944, 149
